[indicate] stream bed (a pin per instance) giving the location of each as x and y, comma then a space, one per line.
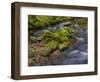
76, 54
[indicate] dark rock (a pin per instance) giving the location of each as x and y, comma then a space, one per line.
38, 33
56, 57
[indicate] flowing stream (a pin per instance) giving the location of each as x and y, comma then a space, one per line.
77, 53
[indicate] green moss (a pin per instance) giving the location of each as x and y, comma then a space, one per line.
51, 44
58, 38
41, 22
59, 35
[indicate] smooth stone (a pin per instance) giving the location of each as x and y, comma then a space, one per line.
38, 33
